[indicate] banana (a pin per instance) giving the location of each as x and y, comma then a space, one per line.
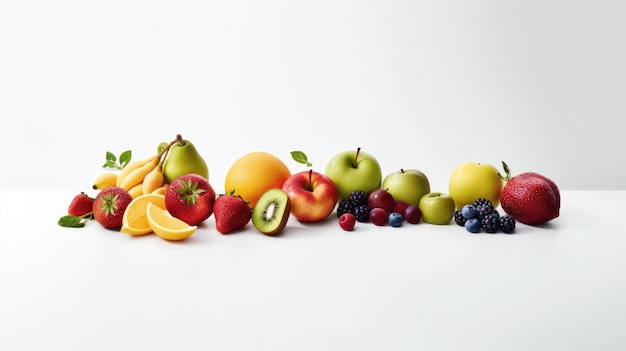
137, 175
105, 180
161, 190
129, 168
135, 191
153, 180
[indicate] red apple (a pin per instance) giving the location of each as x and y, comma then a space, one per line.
313, 195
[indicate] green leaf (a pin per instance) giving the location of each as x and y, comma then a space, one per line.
69, 221
125, 158
111, 160
111, 157
301, 157
507, 172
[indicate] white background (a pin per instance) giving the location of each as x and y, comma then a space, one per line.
418, 84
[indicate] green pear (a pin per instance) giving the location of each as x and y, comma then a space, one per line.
183, 158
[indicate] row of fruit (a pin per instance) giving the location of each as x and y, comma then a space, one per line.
169, 194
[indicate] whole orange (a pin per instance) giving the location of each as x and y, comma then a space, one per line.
254, 173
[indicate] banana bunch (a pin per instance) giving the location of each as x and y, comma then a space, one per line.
142, 177
138, 177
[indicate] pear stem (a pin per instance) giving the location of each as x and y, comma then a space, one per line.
163, 154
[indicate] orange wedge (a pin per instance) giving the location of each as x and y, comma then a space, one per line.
167, 226
135, 220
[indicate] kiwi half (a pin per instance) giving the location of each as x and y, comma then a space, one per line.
271, 212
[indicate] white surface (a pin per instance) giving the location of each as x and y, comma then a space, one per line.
556, 287
420, 84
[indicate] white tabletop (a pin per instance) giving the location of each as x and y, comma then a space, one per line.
561, 286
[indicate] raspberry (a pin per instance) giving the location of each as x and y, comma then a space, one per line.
345, 206
358, 197
362, 213
490, 222
507, 224
459, 218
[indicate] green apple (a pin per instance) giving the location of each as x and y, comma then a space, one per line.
352, 171
408, 185
471, 181
437, 208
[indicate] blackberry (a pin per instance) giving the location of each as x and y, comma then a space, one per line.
358, 197
483, 209
507, 224
490, 222
483, 202
345, 206
362, 213
459, 218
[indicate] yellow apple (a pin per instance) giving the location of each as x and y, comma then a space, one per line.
471, 181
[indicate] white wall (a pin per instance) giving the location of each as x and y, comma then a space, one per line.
419, 84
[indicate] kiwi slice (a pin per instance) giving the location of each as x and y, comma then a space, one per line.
271, 212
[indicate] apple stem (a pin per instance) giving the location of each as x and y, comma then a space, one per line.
309, 186
358, 150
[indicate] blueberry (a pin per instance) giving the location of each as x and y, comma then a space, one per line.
468, 211
395, 219
473, 225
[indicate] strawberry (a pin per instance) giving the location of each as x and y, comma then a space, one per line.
190, 198
232, 212
81, 205
531, 198
109, 206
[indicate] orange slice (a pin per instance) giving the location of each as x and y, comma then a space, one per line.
135, 221
167, 226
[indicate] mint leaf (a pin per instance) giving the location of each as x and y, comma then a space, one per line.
111, 160
301, 157
69, 221
125, 158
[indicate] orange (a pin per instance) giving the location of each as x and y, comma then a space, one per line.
134, 221
167, 226
255, 173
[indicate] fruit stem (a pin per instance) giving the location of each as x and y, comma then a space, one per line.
358, 150
163, 154
309, 185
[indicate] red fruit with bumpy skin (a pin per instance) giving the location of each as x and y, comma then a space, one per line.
347, 221
190, 198
231, 212
531, 198
109, 206
81, 205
